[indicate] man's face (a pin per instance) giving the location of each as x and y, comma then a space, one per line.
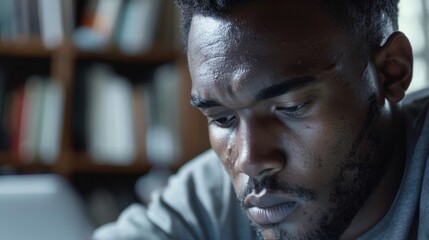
293, 115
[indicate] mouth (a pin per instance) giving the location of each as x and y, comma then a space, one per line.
272, 215
267, 209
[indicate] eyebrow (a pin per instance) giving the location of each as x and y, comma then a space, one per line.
284, 87
200, 103
279, 89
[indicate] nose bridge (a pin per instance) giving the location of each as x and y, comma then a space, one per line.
259, 148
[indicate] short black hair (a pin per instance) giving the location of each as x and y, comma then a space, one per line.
367, 21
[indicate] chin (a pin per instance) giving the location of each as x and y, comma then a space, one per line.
287, 231
279, 232
269, 234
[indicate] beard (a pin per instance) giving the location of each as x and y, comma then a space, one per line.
357, 177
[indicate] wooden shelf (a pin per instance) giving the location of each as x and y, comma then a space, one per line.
6, 157
85, 164
36, 49
29, 48
11, 161
27, 57
80, 164
157, 54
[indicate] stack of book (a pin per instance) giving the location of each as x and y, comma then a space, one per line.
23, 20
132, 25
31, 119
117, 122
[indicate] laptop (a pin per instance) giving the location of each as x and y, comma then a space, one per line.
41, 207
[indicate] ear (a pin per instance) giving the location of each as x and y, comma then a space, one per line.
394, 64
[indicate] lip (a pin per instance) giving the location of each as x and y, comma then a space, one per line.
268, 209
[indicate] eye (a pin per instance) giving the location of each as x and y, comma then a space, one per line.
293, 111
223, 122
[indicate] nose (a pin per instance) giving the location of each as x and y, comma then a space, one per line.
259, 147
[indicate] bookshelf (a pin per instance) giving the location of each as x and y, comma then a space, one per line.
26, 55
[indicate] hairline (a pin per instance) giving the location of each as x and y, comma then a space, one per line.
363, 41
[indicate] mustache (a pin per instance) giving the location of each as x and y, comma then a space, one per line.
271, 183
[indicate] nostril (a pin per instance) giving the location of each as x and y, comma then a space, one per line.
267, 172
258, 153
261, 167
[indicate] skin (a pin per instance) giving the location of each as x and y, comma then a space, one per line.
294, 114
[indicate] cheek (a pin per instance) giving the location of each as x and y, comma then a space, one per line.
221, 143
319, 148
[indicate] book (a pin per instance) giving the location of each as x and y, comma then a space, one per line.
22, 12
163, 135
106, 17
99, 24
15, 120
34, 19
7, 124
111, 128
8, 25
51, 122
68, 17
139, 25
51, 22
31, 118
3, 131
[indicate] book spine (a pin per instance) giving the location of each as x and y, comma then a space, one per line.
31, 118
34, 18
139, 25
110, 118
16, 120
8, 25
51, 23
51, 122
163, 136
3, 130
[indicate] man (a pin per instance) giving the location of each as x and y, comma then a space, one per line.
303, 100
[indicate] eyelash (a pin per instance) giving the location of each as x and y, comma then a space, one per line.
217, 122
294, 111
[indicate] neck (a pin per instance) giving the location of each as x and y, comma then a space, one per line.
384, 194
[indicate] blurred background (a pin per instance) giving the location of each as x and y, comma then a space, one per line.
94, 108
94, 105
414, 22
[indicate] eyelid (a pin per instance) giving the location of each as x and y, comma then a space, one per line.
295, 98
295, 111
302, 101
216, 121
213, 113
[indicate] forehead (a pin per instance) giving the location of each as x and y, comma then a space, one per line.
259, 41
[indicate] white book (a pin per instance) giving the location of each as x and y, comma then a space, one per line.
163, 133
139, 25
106, 17
68, 17
51, 122
111, 125
51, 22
